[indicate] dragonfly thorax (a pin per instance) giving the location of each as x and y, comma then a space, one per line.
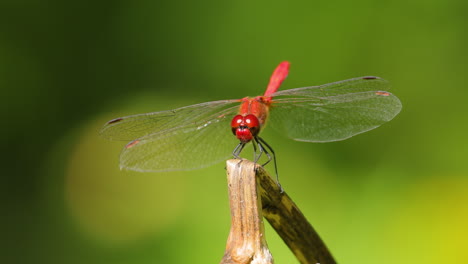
245, 128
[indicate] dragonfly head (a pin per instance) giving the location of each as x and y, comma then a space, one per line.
245, 128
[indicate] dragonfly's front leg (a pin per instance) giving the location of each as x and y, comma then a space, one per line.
264, 147
236, 152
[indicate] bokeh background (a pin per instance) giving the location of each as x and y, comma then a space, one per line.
397, 194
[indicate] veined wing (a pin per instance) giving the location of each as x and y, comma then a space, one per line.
182, 139
136, 126
334, 111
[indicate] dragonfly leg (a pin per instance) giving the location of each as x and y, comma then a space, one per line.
236, 152
254, 151
261, 150
255, 144
263, 146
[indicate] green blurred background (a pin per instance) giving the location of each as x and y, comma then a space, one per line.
397, 194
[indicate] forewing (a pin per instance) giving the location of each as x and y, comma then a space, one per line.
190, 146
136, 126
334, 111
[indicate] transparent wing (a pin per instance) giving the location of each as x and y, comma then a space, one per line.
136, 126
334, 111
182, 139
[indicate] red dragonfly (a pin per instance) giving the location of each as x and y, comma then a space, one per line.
196, 136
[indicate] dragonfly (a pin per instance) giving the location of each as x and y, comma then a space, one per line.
197, 136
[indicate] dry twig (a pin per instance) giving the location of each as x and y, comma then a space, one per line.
253, 194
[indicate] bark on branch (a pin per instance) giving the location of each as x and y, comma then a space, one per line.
254, 195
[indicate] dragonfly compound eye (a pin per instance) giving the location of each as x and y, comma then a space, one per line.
236, 122
245, 128
251, 121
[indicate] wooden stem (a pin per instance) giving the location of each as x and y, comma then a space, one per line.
246, 242
253, 194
